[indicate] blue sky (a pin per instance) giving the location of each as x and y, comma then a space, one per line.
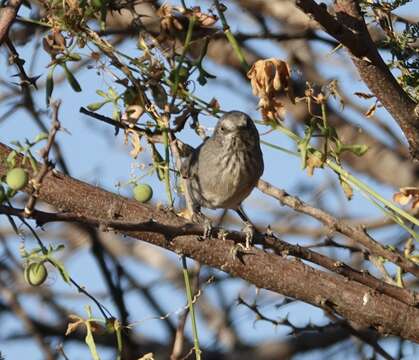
97, 157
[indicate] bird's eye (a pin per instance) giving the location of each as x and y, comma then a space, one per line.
222, 128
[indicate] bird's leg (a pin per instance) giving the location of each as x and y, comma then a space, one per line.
200, 218
249, 229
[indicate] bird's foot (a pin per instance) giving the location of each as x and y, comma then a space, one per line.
205, 222
249, 231
238, 249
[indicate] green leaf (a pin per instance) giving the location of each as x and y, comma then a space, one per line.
357, 149
102, 93
60, 266
203, 76
304, 145
71, 78
118, 329
112, 93
158, 162
96, 106
50, 84
11, 161
74, 57
116, 114
90, 341
41, 136
60, 247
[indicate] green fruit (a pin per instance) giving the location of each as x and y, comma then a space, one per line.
97, 3
143, 193
17, 178
35, 274
2, 194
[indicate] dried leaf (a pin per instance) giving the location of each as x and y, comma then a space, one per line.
401, 198
159, 95
134, 112
169, 21
406, 195
148, 356
214, 104
313, 162
347, 189
410, 190
75, 322
203, 19
364, 95
270, 79
135, 139
371, 111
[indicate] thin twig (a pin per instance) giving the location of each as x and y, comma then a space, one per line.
47, 164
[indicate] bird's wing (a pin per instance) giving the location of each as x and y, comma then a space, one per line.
185, 167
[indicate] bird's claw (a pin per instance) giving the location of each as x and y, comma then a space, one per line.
249, 231
206, 223
237, 249
207, 229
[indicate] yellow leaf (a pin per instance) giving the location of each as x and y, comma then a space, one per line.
134, 138
72, 326
313, 162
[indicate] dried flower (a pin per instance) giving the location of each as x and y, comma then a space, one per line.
407, 195
169, 21
54, 43
270, 79
203, 19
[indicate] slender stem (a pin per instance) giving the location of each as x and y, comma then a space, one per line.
326, 128
230, 37
186, 44
347, 176
191, 308
167, 162
354, 181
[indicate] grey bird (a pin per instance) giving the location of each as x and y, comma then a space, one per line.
225, 168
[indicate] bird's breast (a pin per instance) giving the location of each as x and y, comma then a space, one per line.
238, 171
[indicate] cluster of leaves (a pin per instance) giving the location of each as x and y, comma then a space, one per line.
17, 177
92, 326
35, 260
401, 44
405, 53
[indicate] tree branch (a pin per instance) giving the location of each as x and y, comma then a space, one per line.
356, 233
356, 302
7, 15
349, 28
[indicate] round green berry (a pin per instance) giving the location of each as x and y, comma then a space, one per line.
17, 178
35, 273
143, 192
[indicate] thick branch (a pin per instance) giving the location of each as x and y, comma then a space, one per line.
355, 302
270, 241
357, 233
350, 29
7, 15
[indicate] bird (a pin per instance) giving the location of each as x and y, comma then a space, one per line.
225, 168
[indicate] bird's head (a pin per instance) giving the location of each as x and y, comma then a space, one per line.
235, 124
